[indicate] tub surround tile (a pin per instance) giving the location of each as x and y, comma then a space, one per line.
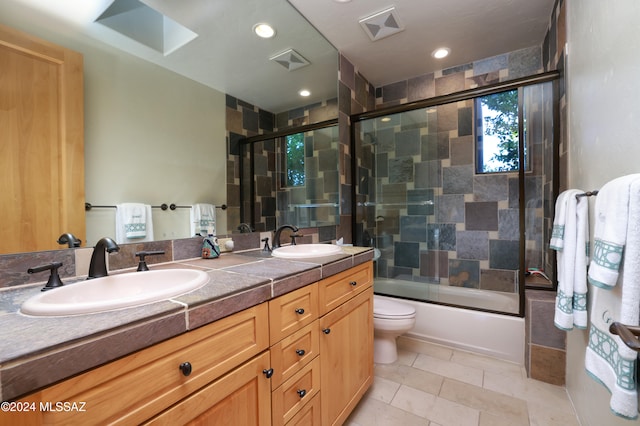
421, 87
464, 273
457, 180
498, 280
407, 143
450, 208
462, 151
418, 202
481, 216
547, 364
407, 254
434, 264
504, 254
400, 170
435, 146
428, 174
472, 245
413, 228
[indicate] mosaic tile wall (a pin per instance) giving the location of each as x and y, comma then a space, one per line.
467, 233
245, 120
469, 237
317, 202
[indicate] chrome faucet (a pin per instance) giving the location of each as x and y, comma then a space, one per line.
276, 236
98, 265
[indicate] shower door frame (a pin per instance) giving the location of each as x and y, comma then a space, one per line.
551, 76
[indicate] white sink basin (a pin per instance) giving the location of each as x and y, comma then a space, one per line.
114, 292
306, 251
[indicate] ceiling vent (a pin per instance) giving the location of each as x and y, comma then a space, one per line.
382, 24
290, 59
146, 25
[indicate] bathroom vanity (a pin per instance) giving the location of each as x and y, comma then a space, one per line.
302, 356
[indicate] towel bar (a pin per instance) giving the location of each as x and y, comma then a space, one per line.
627, 333
587, 194
163, 206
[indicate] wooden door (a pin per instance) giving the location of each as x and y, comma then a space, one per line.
346, 356
41, 143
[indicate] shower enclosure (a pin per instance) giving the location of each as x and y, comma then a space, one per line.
455, 196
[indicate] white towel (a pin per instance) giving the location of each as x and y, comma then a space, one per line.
617, 236
557, 234
569, 239
133, 223
203, 219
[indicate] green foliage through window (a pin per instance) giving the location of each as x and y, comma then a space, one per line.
295, 159
498, 145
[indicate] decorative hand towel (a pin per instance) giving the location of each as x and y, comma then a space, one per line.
203, 219
569, 239
608, 360
557, 234
133, 222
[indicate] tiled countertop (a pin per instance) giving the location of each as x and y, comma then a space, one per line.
38, 351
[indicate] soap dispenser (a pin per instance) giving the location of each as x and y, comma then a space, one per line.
210, 246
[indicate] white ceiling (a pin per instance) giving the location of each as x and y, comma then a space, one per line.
228, 57
472, 29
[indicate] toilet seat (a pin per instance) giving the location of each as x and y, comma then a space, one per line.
388, 309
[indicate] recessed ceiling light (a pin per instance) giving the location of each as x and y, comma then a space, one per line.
342, 1
264, 30
441, 52
304, 93
385, 119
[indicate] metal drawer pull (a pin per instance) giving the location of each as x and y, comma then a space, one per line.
268, 372
186, 368
300, 352
326, 330
353, 283
301, 392
299, 311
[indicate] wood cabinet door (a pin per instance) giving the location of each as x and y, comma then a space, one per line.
41, 143
346, 354
242, 397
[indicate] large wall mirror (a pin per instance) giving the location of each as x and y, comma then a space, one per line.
292, 179
156, 122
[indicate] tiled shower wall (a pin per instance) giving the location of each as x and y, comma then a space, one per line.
246, 120
467, 233
469, 236
317, 202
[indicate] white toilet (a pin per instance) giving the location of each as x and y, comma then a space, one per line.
390, 320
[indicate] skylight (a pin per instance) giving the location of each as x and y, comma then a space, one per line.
146, 25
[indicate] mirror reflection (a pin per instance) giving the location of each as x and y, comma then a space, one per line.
293, 180
155, 137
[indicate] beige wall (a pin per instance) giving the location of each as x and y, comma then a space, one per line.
603, 66
150, 135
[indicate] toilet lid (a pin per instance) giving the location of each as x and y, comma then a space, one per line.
385, 308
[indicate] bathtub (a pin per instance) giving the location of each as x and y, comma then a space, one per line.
499, 336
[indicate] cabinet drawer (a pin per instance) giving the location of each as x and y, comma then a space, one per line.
293, 352
309, 415
335, 290
289, 398
147, 381
292, 311
240, 397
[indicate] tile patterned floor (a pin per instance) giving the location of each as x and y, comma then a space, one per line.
433, 385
